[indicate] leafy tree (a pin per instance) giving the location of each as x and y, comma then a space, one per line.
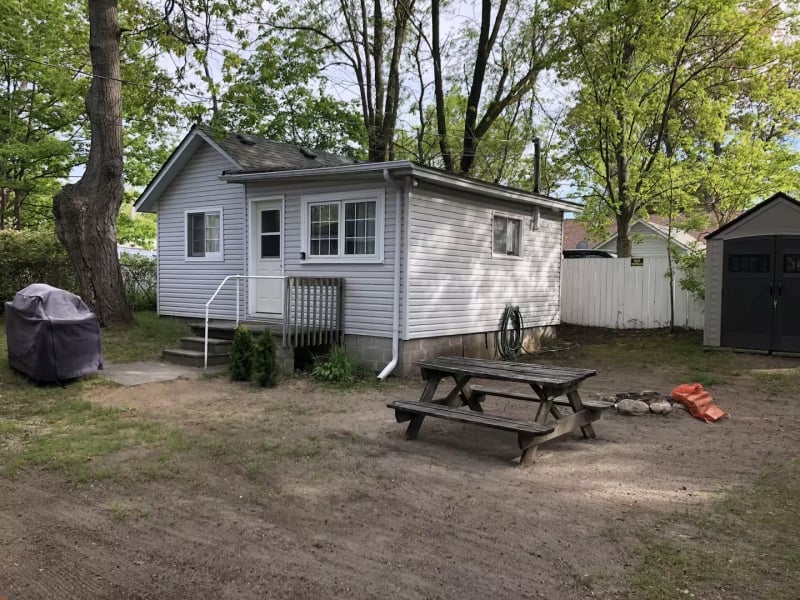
277, 93
136, 228
368, 38
503, 155
40, 104
516, 43
644, 70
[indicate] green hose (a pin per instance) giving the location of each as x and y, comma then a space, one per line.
508, 340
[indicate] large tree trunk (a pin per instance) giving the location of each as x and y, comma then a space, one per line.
86, 212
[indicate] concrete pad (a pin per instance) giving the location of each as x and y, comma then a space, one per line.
149, 372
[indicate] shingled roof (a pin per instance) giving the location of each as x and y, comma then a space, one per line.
259, 155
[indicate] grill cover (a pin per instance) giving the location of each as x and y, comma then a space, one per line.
52, 335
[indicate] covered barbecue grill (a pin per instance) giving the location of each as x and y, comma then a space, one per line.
52, 335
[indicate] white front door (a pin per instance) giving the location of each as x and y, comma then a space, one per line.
267, 257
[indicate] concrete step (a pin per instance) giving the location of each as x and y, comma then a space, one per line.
224, 330
215, 345
193, 358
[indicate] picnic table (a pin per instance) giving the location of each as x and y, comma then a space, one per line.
548, 383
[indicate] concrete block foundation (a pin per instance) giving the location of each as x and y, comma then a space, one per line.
374, 353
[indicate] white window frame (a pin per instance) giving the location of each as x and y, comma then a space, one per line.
515, 217
211, 256
342, 198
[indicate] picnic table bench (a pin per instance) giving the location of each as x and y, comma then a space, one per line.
547, 382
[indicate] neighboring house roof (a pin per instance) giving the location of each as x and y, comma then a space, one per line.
682, 239
756, 208
257, 159
574, 232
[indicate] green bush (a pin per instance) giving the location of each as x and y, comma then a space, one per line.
139, 277
28, 257
242, 355
265, 362
338, 368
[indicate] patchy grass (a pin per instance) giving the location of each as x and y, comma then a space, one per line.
123, 511
144, 339
52, 427
744, 546
681, 352
72, 436
778, 382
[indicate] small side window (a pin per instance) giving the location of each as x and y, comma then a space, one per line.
204, 235
506, 236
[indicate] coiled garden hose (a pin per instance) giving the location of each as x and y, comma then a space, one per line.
508, 340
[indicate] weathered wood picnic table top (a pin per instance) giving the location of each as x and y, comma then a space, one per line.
547, 375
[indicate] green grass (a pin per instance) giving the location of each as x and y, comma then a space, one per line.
53, 427
743, 546
144, 339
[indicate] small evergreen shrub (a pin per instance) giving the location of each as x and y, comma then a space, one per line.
242, 355
338, 368
265, 361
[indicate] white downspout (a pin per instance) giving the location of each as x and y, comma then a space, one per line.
398, 202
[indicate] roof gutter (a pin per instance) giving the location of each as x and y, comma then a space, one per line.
400, 190
319, 171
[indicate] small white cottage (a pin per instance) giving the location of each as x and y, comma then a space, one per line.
753, 279
407, 261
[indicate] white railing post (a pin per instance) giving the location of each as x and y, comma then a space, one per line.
237, 300
205, 343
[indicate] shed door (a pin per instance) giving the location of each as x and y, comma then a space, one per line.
747, 287
787, 295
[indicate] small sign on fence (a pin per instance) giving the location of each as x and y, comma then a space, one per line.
637, 262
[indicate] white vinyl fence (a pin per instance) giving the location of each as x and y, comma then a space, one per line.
610, 292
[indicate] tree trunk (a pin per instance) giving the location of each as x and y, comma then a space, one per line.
470, 141
86, 211
624, 245
438, 90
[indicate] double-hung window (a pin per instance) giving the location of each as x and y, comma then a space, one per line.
204, 234
506, 235
343, 227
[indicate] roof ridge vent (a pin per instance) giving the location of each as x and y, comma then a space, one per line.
245, 139
307, 153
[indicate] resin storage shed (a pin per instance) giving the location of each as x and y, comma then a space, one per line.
753, 279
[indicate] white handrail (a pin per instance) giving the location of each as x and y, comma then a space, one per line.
219, 287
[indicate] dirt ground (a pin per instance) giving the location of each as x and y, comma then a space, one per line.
307, 491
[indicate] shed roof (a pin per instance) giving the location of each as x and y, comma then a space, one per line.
757, 208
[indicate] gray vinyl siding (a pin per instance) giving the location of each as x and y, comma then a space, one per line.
646, 243
456, 286
369, 287
713, 306
186, 285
